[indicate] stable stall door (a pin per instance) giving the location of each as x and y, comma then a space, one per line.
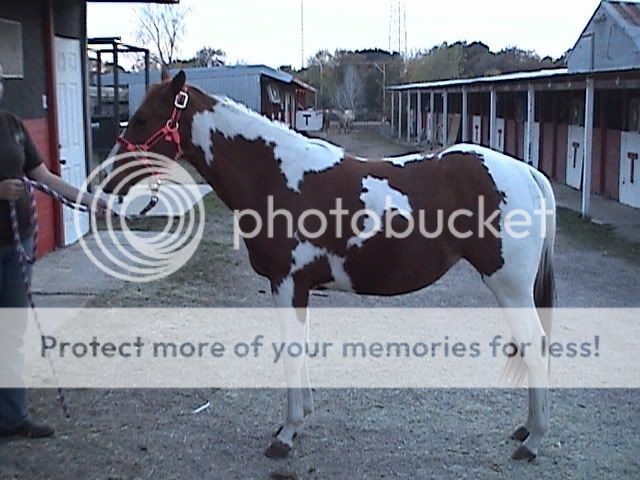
630, 169
575, 156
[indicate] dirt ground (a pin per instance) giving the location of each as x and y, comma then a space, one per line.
421, 434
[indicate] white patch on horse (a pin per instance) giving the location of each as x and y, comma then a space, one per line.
467, 148
379, 197
403, 160
202, 126
296, 154
283, 296
306, 253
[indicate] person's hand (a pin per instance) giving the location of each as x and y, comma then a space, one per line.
102, 209
11, 189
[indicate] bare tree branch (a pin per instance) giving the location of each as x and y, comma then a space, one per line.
161, 28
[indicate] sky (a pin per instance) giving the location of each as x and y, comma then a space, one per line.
269, 31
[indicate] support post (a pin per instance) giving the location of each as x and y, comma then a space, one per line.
493, 119
399, 114
408, 116
419, 120
465, 115
147, 82
588, 147
432, 112
116, 91
531, 111
445, 119
393, 111
99, 81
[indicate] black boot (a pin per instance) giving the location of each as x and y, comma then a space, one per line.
28, 429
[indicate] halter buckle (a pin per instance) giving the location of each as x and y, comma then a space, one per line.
181, 101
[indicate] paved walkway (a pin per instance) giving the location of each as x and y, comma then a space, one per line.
625, 220
68, 278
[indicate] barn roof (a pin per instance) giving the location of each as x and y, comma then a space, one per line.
508, 77
627, 15
213, 72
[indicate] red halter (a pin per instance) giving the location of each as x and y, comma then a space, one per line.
169, 132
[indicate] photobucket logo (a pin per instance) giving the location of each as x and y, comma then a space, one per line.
142, 256
393, 218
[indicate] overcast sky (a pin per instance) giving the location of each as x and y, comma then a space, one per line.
269, 31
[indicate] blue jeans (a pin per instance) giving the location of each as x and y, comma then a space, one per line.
13, 295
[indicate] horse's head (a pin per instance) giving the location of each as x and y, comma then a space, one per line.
154, 128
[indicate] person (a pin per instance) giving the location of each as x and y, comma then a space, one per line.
18, 158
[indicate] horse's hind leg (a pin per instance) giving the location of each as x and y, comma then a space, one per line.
516, 296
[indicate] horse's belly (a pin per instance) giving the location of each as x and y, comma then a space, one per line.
396, 270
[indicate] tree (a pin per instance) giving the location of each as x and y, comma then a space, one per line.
349, 95
210, 57
161, 28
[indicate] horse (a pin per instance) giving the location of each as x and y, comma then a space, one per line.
248, 158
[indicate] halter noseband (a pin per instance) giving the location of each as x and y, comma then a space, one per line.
169, 132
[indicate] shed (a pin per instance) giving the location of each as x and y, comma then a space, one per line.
274, 93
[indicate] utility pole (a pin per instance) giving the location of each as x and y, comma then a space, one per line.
302, 34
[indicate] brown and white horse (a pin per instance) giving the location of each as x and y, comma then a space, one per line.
248, 159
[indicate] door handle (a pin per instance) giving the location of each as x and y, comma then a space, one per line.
63, 161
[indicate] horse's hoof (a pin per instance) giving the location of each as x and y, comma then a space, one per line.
520, 434
523, 453
278, 450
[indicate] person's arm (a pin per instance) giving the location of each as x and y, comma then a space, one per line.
42, 175
36, 170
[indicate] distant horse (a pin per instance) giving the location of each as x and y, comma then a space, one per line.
248, 158
344, 119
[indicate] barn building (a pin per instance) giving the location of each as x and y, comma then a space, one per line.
580, 125
42, 50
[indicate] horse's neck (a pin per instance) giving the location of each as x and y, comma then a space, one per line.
225, 169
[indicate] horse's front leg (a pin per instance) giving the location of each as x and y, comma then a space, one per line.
293, 317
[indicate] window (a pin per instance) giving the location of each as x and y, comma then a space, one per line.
577, 112
11, 48
274, 94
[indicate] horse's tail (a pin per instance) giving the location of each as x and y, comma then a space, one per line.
544, 291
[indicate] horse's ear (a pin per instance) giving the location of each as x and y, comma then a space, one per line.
166, 75
178, 82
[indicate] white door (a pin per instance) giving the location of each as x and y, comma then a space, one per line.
575, 155
630, 169
476, 133
430, 125
69, 94
534, 159
500, 134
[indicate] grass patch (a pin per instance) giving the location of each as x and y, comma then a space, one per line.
601, 238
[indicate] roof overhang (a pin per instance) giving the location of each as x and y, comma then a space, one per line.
171, 2
552, 79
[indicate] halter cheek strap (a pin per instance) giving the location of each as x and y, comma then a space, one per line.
170, 132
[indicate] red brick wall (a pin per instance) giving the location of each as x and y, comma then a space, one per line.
38, 129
